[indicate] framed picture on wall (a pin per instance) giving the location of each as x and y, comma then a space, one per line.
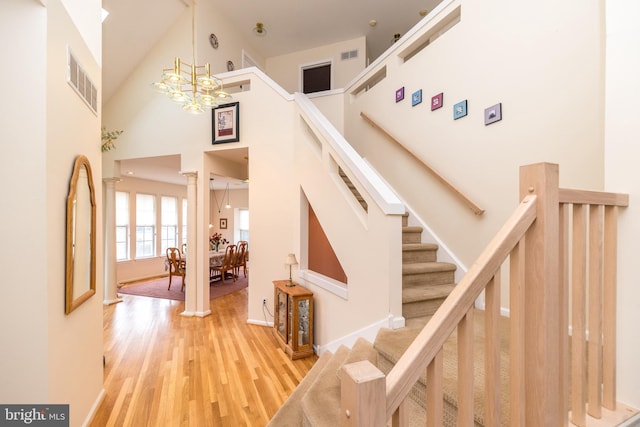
416, 97
223, 223
436, 101
226, 123
460, 110
493, 114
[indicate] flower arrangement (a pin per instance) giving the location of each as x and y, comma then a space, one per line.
216, 240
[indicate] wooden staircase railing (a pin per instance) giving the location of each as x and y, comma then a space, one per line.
533, 246
457, 192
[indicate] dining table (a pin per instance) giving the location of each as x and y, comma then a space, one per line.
215, 260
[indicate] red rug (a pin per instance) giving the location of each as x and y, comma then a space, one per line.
157, 288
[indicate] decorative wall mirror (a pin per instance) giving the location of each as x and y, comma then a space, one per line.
81, 236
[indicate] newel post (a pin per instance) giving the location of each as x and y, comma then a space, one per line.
363, 396
543, 300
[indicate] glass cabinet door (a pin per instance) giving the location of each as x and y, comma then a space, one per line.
282, 315
290, 317
303, 322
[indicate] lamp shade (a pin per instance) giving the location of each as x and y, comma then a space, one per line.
291, 260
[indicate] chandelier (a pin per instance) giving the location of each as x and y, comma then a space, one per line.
192, 85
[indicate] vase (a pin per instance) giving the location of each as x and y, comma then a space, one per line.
216, 246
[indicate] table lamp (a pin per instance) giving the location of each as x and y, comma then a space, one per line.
290, 262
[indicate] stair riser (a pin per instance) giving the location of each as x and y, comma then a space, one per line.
412, 257
421, 308
435, 279
411, 237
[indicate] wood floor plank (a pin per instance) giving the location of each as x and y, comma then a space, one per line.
163, 369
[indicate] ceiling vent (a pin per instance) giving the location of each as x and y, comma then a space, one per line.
349, 55
81, 83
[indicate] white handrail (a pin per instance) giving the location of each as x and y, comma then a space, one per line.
384, 197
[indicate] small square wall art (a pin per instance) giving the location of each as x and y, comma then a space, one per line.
493, 114
436, 101
400, 94
460, 110
416, 98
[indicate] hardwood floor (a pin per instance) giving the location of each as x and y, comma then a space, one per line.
163, 369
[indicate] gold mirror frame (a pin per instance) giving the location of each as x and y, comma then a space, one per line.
81, 248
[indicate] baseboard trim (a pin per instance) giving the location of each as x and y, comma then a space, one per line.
369, 333
94, 408
259, 323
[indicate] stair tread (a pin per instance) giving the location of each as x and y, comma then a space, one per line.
321, 401
419, 247
412, 229
427, 267
290, 413
425, 292
391, 344
324, 393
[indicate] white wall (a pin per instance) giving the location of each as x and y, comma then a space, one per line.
526, 57
23, 332
75, 347
286, 69
49, 357
622, 132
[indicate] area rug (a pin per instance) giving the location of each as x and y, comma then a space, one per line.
157, 288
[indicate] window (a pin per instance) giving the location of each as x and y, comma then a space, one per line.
122, 226
184, 220
169, 228
243, 224
316, 78
145, 225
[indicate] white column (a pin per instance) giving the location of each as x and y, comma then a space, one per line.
190, 291
110, 279
203, 302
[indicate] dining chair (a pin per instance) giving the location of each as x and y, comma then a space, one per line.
241, 258
177, 266
184, 248
227, 263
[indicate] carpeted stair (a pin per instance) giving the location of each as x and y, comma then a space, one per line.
316, 400
425, 281
425, 284
391, 344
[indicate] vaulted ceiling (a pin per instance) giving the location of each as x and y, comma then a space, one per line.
133, 27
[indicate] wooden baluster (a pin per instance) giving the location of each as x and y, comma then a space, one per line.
465, 370
516, 336
578, 298
610, 295
492, 351
563, 275
434, 391
594, 407
400, 418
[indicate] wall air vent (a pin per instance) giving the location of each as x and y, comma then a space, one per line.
349, 55
81, 83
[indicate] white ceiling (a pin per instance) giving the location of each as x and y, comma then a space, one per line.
133, 26
168, 169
